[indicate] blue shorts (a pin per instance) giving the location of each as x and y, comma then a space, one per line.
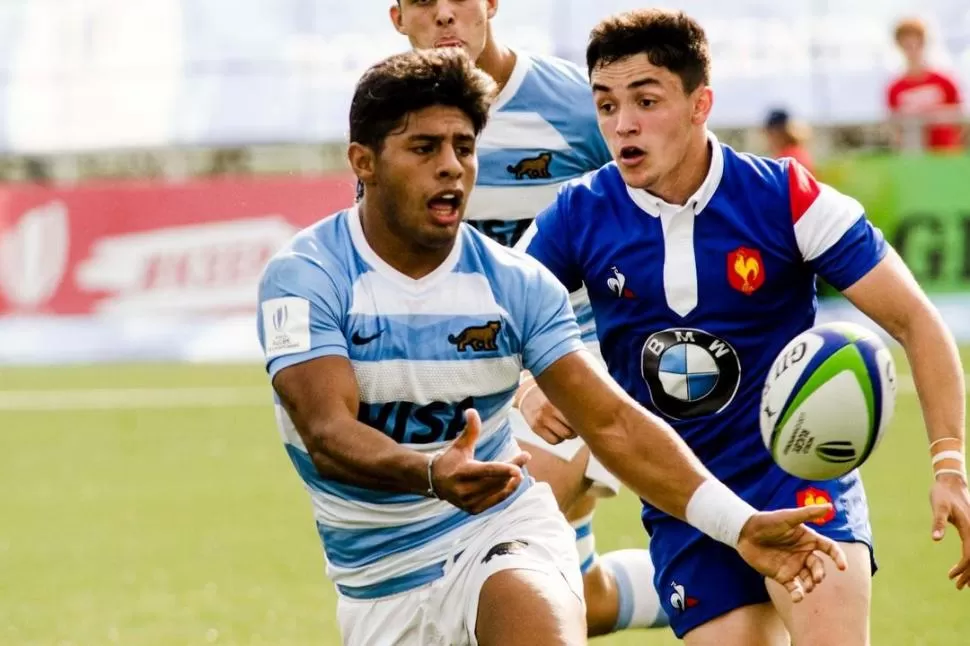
699, 579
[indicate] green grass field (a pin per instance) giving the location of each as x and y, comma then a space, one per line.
125, 521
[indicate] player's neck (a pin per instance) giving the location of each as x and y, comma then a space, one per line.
401, 254
497, 61
688, 176
916, 69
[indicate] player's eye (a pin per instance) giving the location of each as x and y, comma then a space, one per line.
423, 150
605, 108
465, 151
646, 103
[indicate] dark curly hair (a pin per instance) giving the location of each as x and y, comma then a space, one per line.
404, 83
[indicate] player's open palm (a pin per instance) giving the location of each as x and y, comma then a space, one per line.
470, 484
779, 545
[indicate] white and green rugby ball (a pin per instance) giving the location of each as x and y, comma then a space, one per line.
827, 401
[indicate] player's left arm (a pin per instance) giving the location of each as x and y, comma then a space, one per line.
891, 297
843, 247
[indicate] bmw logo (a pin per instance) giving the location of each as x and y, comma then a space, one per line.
690, 373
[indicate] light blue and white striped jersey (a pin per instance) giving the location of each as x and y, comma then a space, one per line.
541, 132
423, 351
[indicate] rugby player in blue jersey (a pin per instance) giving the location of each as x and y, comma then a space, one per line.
700, 263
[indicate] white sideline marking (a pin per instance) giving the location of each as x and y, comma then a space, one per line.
171, 398
134, 398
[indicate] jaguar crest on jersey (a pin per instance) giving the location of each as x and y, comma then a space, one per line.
480, 338
690, 373
533, 167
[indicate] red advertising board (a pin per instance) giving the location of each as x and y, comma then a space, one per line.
151, 248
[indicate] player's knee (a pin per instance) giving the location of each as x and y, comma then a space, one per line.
529, 608
566, 478
835, 613
602, 602
751, 625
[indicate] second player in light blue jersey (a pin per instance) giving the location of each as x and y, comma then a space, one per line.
394, 337
542, 132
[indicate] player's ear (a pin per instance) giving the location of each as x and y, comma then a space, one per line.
491, 8
395, 12
362, 161
703, 101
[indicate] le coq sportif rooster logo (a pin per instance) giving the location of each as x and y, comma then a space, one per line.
33, 255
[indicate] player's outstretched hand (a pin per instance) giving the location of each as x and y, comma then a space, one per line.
951, 503
778, 545
543, 418
470, 484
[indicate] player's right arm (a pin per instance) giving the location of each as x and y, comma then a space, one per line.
300, 324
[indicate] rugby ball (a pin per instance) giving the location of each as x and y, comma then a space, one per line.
827, 400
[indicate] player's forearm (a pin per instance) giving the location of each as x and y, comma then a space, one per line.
938, 376
656, 464
640, 449
653, 461
650, 458
354, 453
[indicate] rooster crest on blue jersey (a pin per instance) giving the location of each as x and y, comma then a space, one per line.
423, 353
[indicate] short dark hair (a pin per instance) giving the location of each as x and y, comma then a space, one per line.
670, 39
404, 83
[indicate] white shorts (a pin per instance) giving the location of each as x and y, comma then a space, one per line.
444, 612
605, 484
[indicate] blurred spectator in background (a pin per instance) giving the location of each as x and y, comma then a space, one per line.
229, 161
788, 137
924, 103
37, 171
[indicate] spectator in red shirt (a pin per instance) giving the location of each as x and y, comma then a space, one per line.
787, 138
924, 103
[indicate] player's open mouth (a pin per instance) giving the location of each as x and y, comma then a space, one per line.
631, 155
449, 41
444, 207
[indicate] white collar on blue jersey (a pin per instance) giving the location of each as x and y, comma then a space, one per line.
696, 203
404, 281
523, 62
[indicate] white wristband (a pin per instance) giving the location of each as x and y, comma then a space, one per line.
718, 512
948, 455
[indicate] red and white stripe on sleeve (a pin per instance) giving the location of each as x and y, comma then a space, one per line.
820, 214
